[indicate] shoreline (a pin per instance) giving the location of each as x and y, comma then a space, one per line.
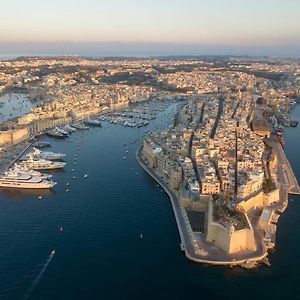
185, 238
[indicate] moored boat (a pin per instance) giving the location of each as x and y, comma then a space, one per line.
92, 122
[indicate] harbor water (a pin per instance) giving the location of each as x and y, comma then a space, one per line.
115, 235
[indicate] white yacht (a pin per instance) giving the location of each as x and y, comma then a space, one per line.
48, 155
41, 164
23, 181
69, 128
80, 126
16, 169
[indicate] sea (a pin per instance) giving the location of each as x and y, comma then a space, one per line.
115, 235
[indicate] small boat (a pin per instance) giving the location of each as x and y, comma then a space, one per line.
52, 252
141, 235
85, 176
124, 157
61, 229
294, 123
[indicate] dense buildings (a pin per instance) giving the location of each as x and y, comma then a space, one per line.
221, 157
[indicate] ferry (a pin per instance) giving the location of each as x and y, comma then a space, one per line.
48, 155
41, 164
23, 181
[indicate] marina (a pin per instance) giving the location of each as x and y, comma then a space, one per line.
127, 205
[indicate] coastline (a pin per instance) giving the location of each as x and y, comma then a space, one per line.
182, 228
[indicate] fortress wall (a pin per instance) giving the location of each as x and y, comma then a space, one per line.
215, 232
228, 239
12, 137
254, 202
20, 135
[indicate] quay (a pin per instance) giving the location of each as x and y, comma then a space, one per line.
285, 175
17, 152
195, 247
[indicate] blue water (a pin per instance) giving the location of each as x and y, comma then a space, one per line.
100, 255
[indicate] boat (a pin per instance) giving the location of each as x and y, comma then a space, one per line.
48, 155
92, 122
41, 164
41, 145
60, 130
294, 123
23, 181
52, 253
56, 134
80, 126
16, 169
69, 128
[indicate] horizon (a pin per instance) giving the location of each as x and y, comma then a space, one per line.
131, 49
151, 28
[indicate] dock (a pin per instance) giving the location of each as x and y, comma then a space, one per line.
286, 176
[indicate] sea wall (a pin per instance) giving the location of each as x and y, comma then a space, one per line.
13, 137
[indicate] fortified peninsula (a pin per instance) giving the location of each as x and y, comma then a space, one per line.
222, 164
227, 176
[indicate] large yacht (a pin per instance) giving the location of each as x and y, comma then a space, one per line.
16, 169
23, 181
56, 134
41, 164
48, 155
93, 122
80, 126
69, 129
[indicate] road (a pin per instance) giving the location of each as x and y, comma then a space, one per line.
285, 175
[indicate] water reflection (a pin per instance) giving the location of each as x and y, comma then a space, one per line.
19, 194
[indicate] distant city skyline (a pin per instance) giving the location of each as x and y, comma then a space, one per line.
145, 28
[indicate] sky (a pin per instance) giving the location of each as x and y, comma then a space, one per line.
153, 26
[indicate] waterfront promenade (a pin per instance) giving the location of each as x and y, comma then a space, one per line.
196, 248
285, 175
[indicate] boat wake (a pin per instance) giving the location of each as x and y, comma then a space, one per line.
39, 276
